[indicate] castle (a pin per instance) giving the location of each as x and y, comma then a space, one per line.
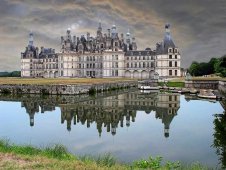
106, 55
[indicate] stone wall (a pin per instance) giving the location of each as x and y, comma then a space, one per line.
222, 86
202, 84
64, 89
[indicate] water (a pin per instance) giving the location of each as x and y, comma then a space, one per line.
128, 124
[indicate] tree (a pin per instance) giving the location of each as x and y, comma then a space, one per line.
194, 68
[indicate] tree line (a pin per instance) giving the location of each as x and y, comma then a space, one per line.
214, 66
10, 74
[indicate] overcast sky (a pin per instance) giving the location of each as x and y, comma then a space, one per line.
198, 27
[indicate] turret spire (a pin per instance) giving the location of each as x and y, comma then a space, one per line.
31, 39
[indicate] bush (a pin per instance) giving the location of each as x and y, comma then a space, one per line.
92, 91
5, 91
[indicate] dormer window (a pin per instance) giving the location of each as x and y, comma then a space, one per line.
175, 50
170, 50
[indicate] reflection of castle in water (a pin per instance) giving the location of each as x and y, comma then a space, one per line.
109, 110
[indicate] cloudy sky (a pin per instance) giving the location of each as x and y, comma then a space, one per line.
198, 27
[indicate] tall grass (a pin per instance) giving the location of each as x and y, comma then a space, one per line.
55, 151
101, 160
66, 159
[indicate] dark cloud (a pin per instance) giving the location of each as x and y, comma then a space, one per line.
198, 27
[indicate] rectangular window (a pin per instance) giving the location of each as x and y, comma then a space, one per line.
175, 56
170, 72
175, 72
116, 72
170, 64
170, 56
175, 64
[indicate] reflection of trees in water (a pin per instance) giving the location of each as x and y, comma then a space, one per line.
220, 134
220, 138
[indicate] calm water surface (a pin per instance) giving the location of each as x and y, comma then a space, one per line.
129, 124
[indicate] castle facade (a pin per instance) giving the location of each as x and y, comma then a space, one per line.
106, 55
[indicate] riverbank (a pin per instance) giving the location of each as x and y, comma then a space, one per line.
59, 81
57, 157
63, 86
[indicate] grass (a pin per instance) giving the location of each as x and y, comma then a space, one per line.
172, 84
57, 157
66, 81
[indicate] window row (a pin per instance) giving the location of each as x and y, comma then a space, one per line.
140, 58
171, 64
140, 65
171, 56
171, 73
173, 50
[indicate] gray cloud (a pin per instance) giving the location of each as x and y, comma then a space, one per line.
198, 27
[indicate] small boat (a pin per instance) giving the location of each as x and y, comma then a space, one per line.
148, 88
183, 91
193, 91
207, 94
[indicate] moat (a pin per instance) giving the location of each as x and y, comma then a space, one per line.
128, 124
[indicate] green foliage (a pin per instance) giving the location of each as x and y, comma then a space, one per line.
10, 74
220, 138
156, 163
152, 163
92, 91
214, 66
56, 151
102, 160
60, 152
106, 160
175, 84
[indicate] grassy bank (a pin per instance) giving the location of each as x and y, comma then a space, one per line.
43, 81
172, 84
57, 157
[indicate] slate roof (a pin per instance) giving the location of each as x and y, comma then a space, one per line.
140, 53
162, 48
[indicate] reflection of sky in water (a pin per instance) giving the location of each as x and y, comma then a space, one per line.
190, 137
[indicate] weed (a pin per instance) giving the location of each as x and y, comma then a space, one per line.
152, 163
